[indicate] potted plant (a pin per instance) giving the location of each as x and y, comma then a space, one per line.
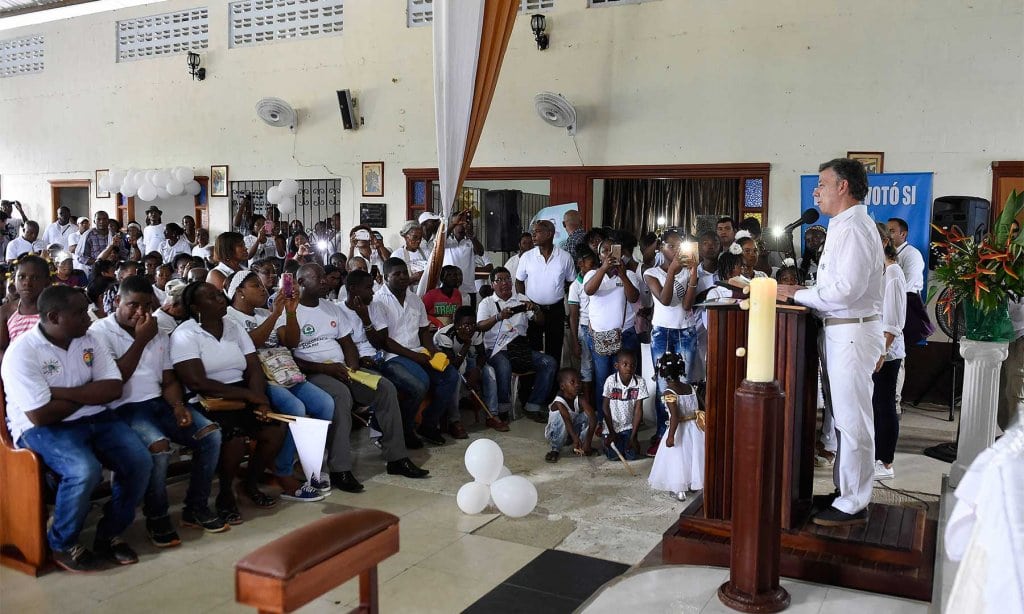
985, 275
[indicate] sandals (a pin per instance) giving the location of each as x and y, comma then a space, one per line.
259, 499
552, 456
229, 514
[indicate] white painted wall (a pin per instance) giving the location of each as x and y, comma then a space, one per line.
935, 85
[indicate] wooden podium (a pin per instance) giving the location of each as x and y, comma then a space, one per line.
892, 554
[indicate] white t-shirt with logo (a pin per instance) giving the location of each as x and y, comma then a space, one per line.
578, 297
147, 381
154, 235
252, 322
608, 304
32, 365
320, 330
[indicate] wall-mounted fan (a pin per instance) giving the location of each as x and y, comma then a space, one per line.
556, 110
278, 113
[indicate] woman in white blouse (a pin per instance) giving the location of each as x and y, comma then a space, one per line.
215, 359
883, 398
412, 252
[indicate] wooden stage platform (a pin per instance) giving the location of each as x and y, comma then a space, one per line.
894, 553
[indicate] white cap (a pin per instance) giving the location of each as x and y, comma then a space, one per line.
427, 215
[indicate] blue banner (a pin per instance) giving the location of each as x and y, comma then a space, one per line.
904, 195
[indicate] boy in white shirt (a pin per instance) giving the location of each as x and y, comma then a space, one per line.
623, 406
58, 381
463, 342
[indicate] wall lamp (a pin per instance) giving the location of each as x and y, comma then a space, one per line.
193, 67
537, 23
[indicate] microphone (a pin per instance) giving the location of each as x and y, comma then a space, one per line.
809, 217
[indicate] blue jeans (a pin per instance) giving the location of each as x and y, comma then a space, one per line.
586, 360
488, 383
153, 421
544, 368
303, 399
557, 433
682, 341
604, 366
77, 451
622, 443
413, 381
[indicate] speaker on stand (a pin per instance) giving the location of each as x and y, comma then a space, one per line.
502, 225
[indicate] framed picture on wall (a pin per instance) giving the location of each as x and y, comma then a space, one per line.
373, 179
102, 175
219, 180
873, 161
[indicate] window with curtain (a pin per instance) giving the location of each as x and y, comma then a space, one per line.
636, 204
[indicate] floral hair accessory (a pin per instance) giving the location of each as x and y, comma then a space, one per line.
735, 249
743, 234
788, 262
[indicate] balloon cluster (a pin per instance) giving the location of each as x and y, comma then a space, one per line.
152, 184
283, 195
513, 495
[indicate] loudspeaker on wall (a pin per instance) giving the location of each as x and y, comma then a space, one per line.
502, 225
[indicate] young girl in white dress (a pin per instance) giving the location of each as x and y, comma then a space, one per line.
679, 464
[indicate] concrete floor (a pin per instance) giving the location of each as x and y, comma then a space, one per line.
448, 559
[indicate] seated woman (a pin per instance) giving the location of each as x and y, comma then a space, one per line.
230, 252
503, 318
68, 275
215, 359
248, 297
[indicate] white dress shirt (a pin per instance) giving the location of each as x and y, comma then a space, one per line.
894, 310
545, 279
912, 263
403, 320
460, 254
505, 330
146, 381
849, 281
55, 233
223, 359
19, 246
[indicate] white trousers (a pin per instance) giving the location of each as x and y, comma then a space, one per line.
850, 354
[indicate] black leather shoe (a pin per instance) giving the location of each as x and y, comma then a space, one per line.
431, 435
115, 551
407, 468
412, 442
344, 480
832, 517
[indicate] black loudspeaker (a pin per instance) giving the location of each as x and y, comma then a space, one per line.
968, 213
349, 115
502, 226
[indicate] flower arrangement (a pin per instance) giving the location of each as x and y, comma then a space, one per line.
985, 274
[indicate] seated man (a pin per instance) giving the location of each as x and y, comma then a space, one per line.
504, 317
463, 342
403, 331
153, 405
321, 339
58, 380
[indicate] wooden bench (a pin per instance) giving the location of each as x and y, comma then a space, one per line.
291, 571
22, 504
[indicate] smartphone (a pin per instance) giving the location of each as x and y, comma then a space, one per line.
617, 251
378, 236
520, 308
287, 284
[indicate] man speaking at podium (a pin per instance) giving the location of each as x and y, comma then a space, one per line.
848, 299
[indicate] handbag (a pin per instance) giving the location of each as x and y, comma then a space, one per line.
609, 342
279, 367
520, 355
219, 404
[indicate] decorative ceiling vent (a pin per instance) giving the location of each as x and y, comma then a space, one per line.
167, 34
255, 22
597, 3
421, 12
21, 56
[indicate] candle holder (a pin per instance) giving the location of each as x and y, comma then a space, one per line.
753, 584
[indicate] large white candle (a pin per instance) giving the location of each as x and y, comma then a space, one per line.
761, 330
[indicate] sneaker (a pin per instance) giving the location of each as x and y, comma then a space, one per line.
203, 519
653, 450
882, 472
305, 494
831, 517
76, 559
824, 458
161, 532
115, 550
322, 483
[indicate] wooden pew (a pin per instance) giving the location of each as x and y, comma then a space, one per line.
22, 504
291, 571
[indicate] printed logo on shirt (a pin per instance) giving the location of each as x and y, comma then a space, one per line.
87, 356
308, 329
631, 394
51, 367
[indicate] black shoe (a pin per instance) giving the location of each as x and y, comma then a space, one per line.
344, 480
203, 519
76, 559
832, 517
161, 532
407, 468
412, 442
431, 435
115, 551
503, 416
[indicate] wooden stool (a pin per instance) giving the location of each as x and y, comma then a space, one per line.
291, 571
22, 504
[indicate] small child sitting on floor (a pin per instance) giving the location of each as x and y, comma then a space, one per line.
623, 405
569, 414
679, 464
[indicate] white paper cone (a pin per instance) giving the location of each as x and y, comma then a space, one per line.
310, 435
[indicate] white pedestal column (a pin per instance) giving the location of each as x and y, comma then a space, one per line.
982, 362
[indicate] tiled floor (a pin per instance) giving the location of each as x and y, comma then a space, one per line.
447, 560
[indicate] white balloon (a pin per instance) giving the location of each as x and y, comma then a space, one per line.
151, 177
288, 187
174, 187
193, 187
147, 192
184, 174
473, 497
129, 190
484, 459
504, 473
274, 195
514, 496
161, 177
287, 205
161, 192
